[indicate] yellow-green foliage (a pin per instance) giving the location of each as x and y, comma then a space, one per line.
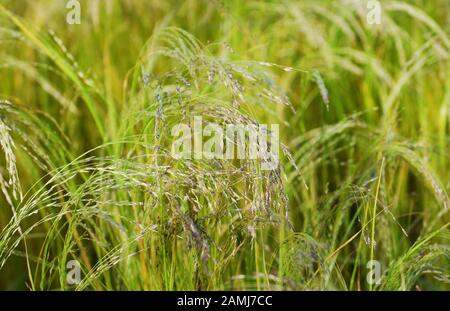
86, 172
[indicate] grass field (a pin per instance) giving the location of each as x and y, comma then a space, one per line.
88, 179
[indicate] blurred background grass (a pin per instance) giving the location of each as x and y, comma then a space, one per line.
368, 130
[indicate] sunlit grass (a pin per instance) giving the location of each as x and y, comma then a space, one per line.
86, 172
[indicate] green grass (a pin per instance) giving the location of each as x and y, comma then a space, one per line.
86, 172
